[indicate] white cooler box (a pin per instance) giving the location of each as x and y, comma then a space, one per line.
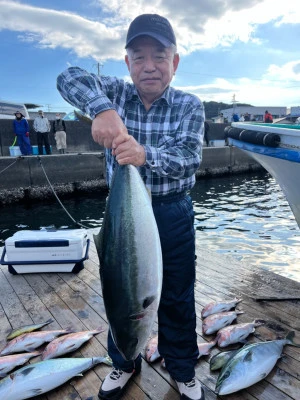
51, 250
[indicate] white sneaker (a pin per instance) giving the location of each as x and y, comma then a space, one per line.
191, 390
113, 385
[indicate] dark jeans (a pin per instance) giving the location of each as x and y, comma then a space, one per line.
43, 138
176, 315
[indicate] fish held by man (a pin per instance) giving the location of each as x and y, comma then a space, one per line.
8, 363
236, 333
219, 306
67, 343
38, 378
215, 322
30, 341
26, 329
251, 364
129, 251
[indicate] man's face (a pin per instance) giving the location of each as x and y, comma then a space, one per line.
151, 67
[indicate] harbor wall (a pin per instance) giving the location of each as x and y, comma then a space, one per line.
82, 169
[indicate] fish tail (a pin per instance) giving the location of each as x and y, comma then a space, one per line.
290, 339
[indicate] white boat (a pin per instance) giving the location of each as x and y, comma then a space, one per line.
277, 148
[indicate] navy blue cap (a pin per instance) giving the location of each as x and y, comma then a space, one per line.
152, 25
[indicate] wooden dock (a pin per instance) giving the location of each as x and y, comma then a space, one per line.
74, 300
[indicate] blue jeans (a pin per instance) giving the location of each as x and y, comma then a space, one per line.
176, 314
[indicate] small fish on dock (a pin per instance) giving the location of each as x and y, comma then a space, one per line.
7, 363
215, 322
30, 341
251, 364
67, 343
26, 329
219, 306
236, 333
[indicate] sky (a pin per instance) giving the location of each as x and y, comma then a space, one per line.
230, 50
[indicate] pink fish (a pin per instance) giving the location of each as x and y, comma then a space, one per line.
204, 348
30, 341
236, 333
215, 322
67, 343
151, 351
7, 363
219, 306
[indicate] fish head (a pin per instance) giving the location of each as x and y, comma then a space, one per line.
227, 381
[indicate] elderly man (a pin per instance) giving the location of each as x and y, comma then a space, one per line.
42, 127
160, 130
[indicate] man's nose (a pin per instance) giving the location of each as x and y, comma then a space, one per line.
149, 64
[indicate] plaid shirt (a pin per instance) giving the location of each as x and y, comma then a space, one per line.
171, 131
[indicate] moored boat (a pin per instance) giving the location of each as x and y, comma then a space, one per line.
277, 149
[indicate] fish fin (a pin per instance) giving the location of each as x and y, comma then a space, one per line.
49, 321
290, 338
248, 356
27, 370
98, 244
148, 301
240, 312
36, 392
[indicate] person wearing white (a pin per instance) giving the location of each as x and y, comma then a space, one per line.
42, 127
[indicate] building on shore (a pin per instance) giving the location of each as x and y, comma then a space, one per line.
255, 113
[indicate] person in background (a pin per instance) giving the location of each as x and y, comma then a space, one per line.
158, 129
21, 130
206, 130
42, 127
246, 117
59, 130
297, 121
268, 117
235, 117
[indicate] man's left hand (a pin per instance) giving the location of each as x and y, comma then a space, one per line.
130, 152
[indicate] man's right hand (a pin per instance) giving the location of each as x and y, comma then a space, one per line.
109, 130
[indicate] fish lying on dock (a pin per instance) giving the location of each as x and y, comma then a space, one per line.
26, 329
35, 379
31, 341
129, 251
251, 364
67, 343
219, 306
215, 322
7, 363
236, 333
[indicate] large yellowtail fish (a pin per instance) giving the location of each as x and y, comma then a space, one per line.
129, 251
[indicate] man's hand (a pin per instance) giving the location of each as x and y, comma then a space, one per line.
130, 152
108, 129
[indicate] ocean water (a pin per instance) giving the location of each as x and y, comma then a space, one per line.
245, 216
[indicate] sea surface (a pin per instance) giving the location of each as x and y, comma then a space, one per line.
245, 216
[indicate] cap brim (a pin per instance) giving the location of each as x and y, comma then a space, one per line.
165, 42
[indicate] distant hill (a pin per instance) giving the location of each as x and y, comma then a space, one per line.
213, 108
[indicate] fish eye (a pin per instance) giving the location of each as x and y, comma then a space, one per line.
226, 375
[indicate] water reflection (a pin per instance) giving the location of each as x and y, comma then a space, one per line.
246, 216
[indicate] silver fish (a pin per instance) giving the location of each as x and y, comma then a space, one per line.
30, 341
220, 359
38, 378
26, 329
251, 364
219, 306
129, 251
236, 333
67, 343
215, 322
7, 363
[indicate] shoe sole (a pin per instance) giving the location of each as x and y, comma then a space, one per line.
184, 397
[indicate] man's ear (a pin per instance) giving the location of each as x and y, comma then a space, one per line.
127, 62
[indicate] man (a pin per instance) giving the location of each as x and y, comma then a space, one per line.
59, 130
42, 127
268, 117
21, 130
160, 130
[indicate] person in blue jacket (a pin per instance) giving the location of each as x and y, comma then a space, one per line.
21, 130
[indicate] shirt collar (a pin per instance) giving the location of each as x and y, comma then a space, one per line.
167, 96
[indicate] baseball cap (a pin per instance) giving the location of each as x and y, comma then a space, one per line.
152, 25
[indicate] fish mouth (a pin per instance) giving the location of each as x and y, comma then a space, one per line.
137, 316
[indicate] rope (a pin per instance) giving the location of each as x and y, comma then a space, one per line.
57, 198
18, 159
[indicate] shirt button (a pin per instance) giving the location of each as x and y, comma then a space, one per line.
152, 163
